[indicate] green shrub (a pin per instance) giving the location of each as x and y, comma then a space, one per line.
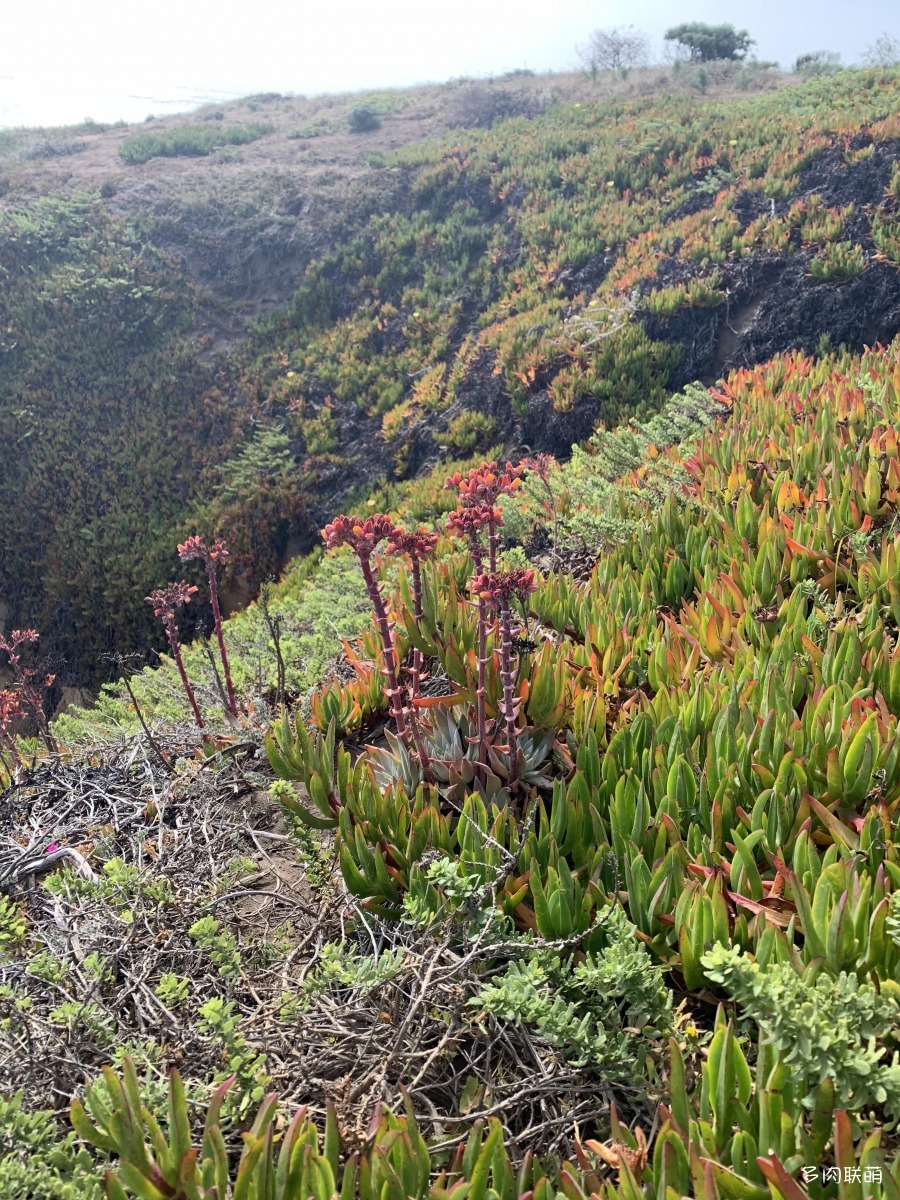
188, 140
251, 1079
363, 118
218, 943
592, 1010
817, 62
823, 1028
311, 129
37, 1164
13, 924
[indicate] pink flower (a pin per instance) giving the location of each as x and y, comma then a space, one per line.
541, 465
469, 521
484, 485
173, 595
503, 585
362, 536
195, 547
417, 543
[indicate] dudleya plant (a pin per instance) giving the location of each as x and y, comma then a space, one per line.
363, 536
211, 556
165, 601
28, 699
479, 492
495, 591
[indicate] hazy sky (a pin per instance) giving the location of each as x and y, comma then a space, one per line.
64, 60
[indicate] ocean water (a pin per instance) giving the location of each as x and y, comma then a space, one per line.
25, 101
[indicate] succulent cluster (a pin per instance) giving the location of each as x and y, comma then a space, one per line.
492, 213
394, 1162
708, 731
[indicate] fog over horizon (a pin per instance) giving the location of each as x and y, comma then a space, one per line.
61, 63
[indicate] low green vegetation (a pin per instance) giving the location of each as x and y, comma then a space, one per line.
310, 129
189, 140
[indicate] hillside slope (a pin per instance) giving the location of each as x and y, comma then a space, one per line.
493, 286
653, 952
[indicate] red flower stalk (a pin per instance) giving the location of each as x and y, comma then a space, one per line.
193, 548
165, 601
495, 591
28, 693
480, 490
543, 466
10, 711
484, 485
417, 545
468, 523
362, 536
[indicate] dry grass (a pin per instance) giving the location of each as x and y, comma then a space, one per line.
353, 1044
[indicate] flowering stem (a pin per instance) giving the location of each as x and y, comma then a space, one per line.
214, 667
481, 690
509, 704
220, 635
160, 753
172, 635
415, 545
475, 551
417, 662
387, 645
30, 695
492, 545
417, 613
